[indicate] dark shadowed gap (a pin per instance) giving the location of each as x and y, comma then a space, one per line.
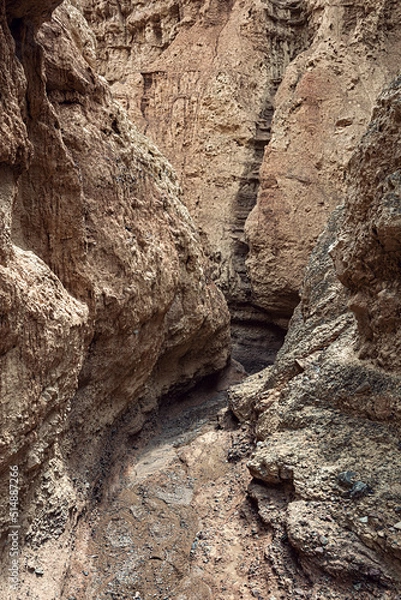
256, 339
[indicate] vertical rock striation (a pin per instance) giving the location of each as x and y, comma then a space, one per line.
105, 297
201, 78
204, 78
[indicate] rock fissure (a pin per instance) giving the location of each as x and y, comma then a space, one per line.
181, 101
133, 483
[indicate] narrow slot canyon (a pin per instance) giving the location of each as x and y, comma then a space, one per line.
200, 241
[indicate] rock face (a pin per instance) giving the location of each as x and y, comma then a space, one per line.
105, 297
202, 76
322, 108
329, 413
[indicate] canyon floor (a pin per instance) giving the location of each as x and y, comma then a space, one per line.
174, 519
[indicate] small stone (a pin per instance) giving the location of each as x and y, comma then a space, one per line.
374, 573
319, 550
359, 489
364, 387
39, 572
324, 540
397, 525
86, 573
346, 478
363, 519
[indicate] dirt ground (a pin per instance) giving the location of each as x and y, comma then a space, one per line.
174, 520
176, 516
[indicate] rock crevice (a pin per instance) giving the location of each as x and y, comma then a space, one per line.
328, 413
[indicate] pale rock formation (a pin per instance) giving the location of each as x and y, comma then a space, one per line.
106, 301
199, 77
322, 109
329, 413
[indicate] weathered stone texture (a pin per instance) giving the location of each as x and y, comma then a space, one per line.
322, 108
329, 414
105, 296
368, 249
200, 76
201, 79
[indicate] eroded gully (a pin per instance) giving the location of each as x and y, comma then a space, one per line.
173, 520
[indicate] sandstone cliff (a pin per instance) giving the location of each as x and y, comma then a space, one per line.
105, 296
201, 77
328, 414
322, 109
106, 301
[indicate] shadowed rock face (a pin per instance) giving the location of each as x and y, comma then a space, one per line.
104, 295
329, 413
367, 251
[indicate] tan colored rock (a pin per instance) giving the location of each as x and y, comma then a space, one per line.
105, 297
200, 78
322, 109
330, 440
368, 246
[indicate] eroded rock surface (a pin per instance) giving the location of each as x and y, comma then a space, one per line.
322, 108
106, 300
105, 297
200, 78
328, 416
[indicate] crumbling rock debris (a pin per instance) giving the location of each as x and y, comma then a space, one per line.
329, 411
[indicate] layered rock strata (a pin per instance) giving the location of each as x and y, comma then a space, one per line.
106, 301
328, 414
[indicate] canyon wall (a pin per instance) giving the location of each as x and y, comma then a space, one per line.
199, 77
328, 414
202, 78
107, 290
322, 108
106, 299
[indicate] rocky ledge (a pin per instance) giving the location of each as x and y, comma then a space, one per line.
328, 414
